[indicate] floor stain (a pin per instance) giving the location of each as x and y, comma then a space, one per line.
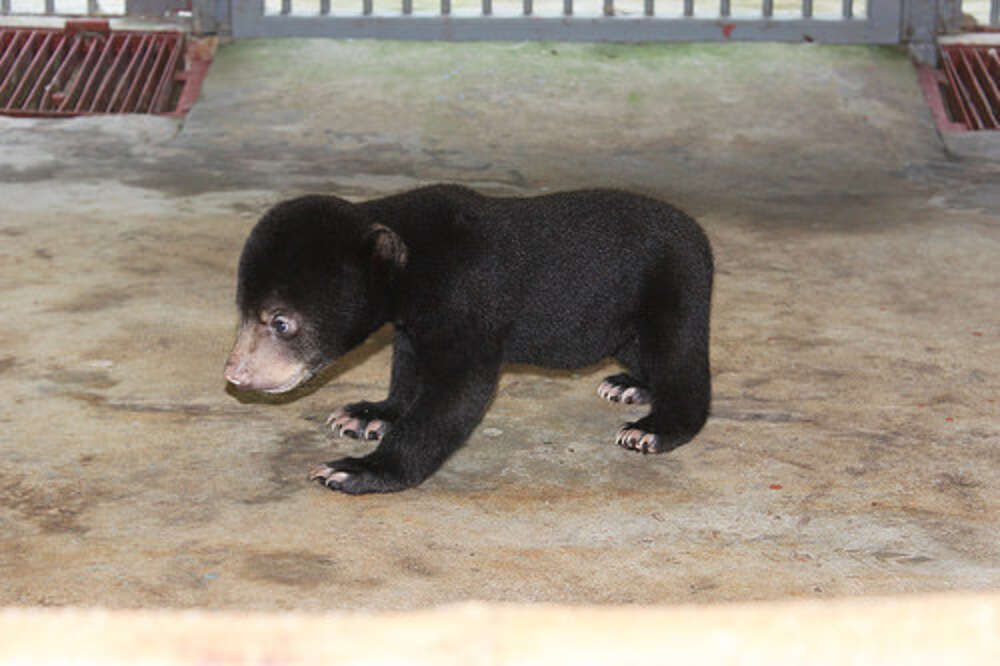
963, 488
533, 389
29, 175
289, 567
92, 379
94, 301
54, 507
759, 416
289, 463
417, 567
171, 409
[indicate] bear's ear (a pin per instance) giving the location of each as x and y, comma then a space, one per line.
386, 247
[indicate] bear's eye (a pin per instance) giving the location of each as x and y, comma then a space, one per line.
283, 326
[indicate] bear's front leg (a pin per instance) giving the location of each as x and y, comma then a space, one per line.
450, 405
371, 420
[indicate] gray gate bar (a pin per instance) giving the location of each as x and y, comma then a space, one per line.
248, 19
880, 25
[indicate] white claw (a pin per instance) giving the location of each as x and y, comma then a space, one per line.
374, 430
351, 425
638, 440
336, 414
649, 443
609, 391
327, 475
320, 472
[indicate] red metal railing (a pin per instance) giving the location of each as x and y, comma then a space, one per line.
964, 94
973, 73
88, 69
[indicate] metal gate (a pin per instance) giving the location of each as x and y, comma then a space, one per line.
38, 9
914, 22
834, 21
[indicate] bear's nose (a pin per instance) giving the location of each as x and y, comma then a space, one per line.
236, 373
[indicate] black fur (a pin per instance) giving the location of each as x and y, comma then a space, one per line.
470, 282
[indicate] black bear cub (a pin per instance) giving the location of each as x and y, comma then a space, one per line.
470, 282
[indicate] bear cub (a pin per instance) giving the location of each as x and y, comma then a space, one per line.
471, 282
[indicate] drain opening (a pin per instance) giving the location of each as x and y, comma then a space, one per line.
964, 93
86, 68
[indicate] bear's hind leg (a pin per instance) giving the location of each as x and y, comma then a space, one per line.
680, 409
673, 357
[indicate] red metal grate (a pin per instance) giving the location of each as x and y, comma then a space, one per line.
965, 93
88, 69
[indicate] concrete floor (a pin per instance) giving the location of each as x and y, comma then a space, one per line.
854, 447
